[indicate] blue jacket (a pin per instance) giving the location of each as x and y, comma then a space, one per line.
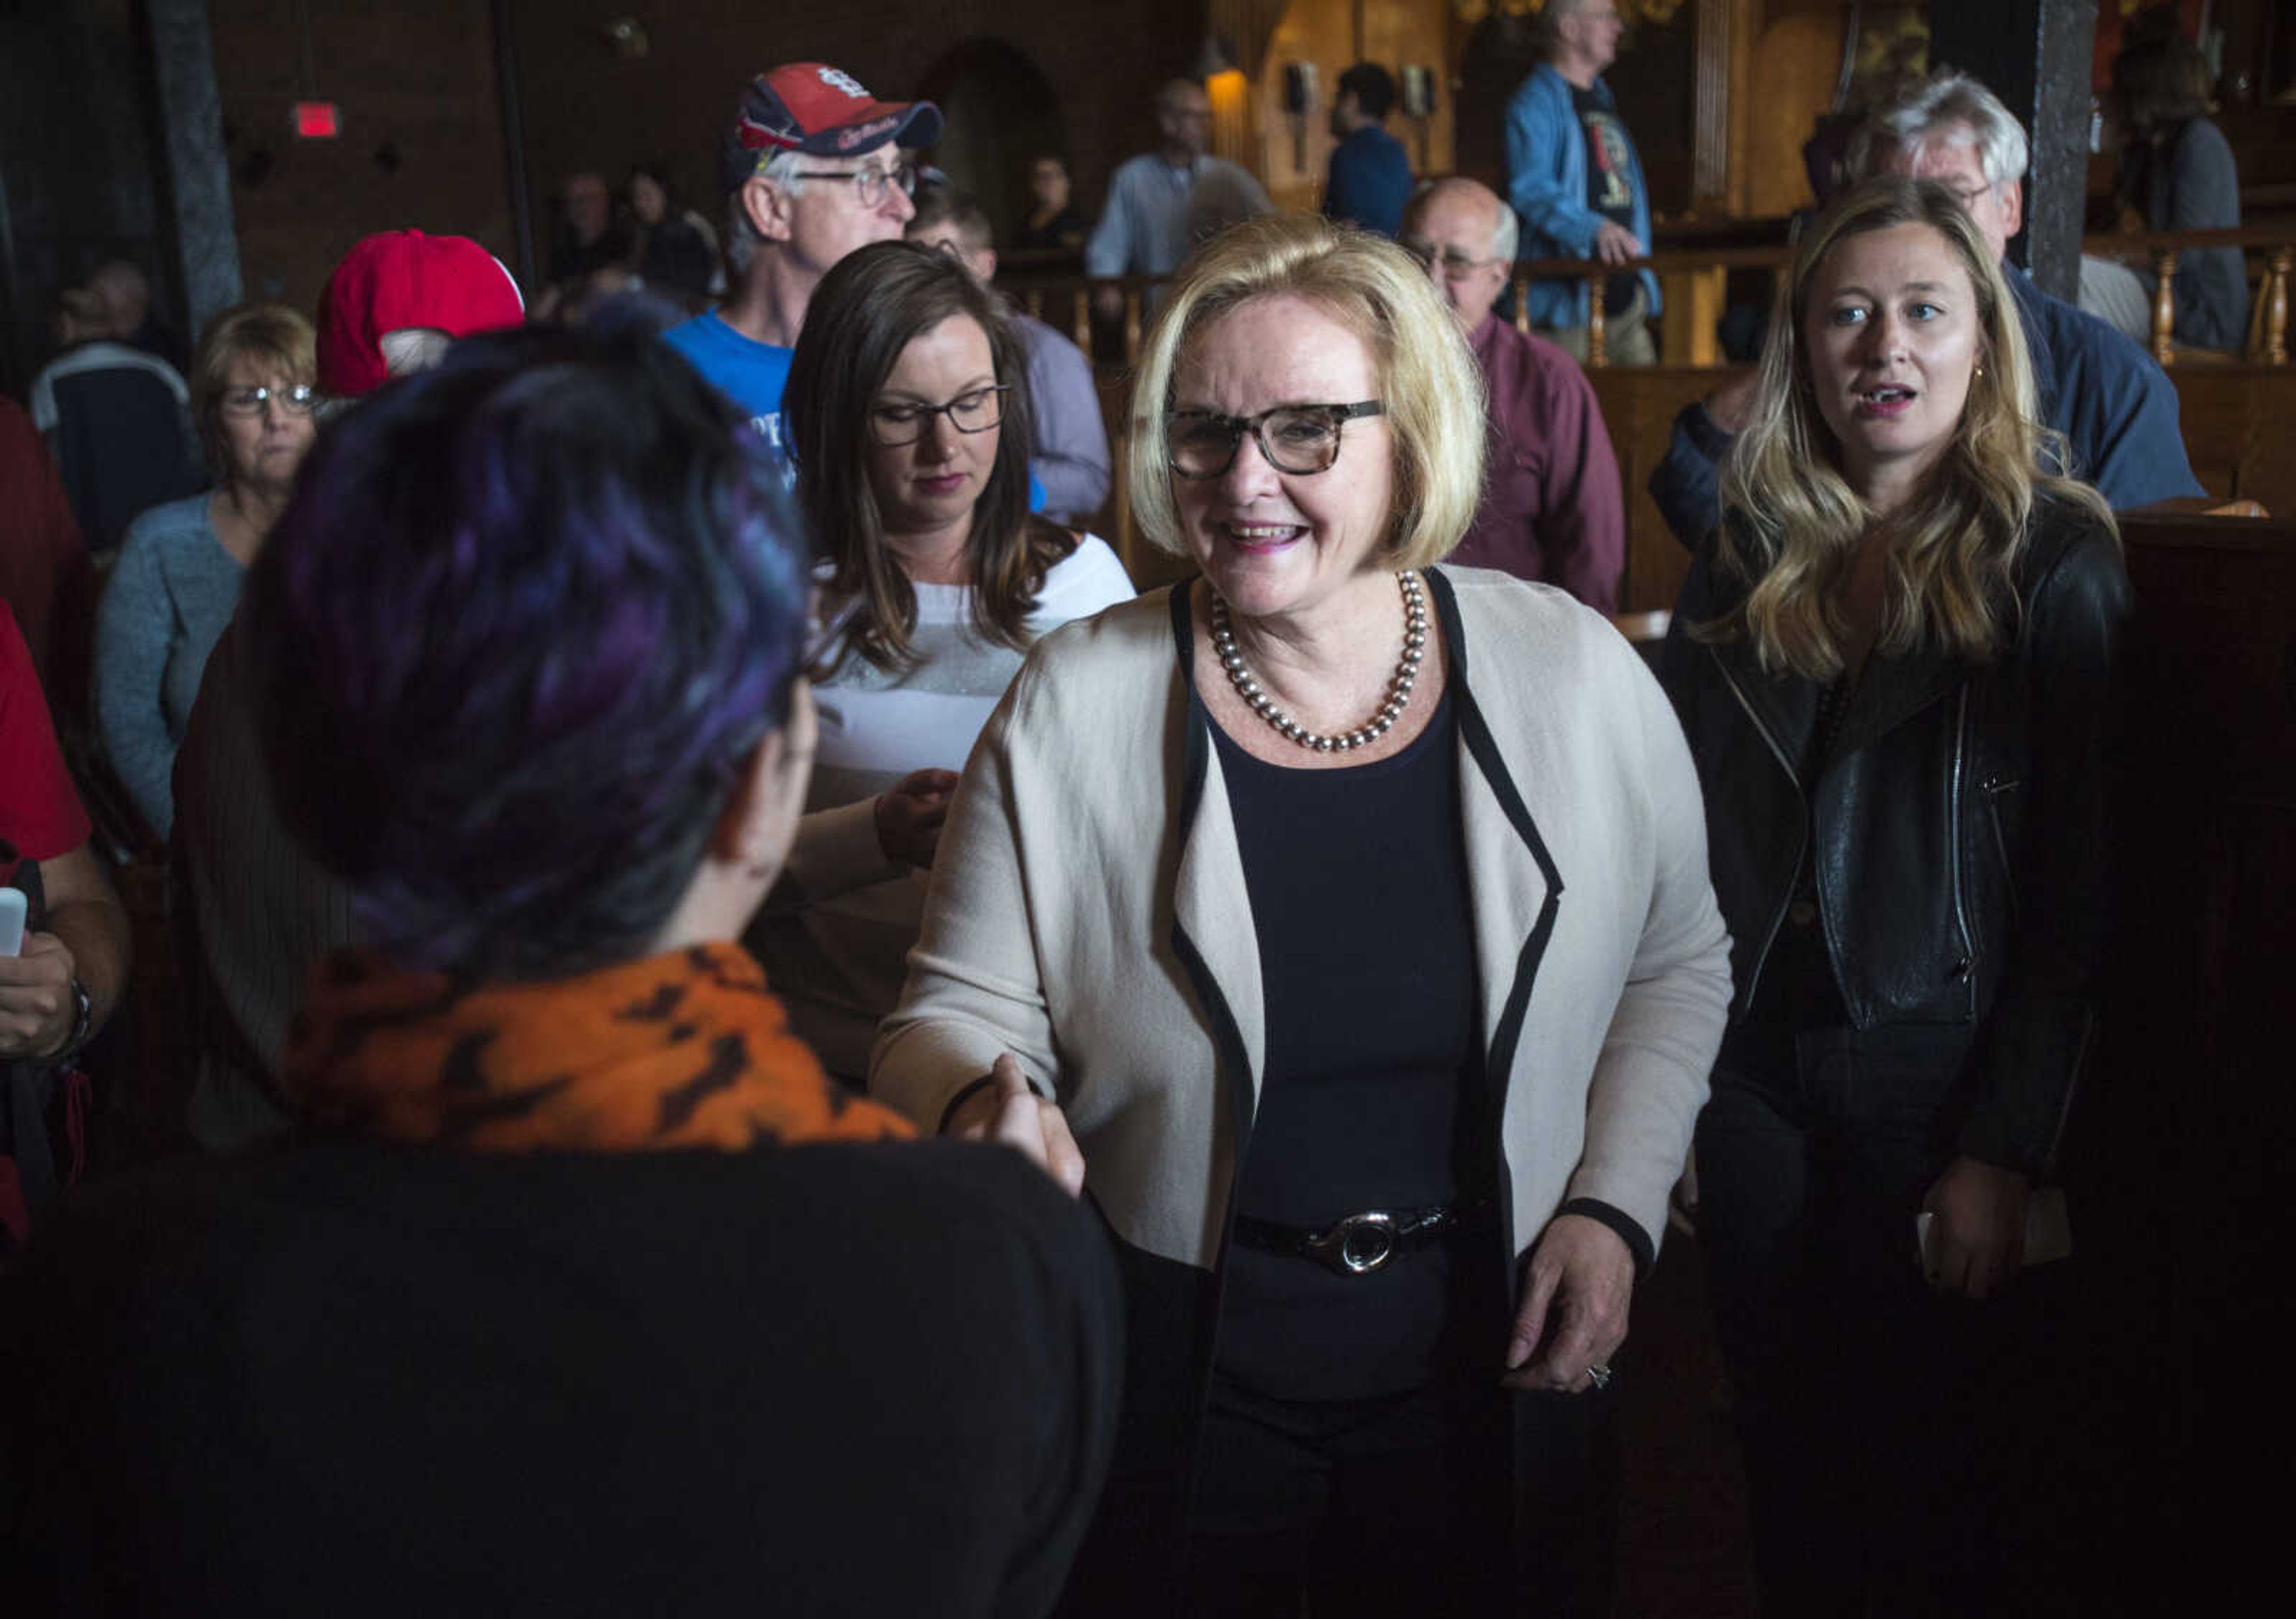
2115, 407
1547, 182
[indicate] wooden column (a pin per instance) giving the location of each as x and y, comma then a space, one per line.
1709, 115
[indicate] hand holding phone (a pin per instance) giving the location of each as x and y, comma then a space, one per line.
13, 905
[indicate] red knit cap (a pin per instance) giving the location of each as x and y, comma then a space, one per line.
398, 279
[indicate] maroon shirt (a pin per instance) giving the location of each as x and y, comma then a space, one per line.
1552, 507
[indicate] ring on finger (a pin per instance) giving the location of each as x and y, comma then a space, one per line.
1599, 1375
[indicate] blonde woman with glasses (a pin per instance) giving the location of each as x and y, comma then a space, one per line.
176, 583
1894, 667
1340, 922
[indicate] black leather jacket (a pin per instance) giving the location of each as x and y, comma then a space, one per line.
1959, 826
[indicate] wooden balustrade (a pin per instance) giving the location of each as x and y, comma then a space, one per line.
2268, 326
1128, 297
2268, 343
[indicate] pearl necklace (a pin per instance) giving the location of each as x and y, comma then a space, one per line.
1399, 689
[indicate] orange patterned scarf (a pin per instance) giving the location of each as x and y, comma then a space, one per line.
686, 1050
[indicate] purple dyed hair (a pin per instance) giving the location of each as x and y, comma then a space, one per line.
519, 629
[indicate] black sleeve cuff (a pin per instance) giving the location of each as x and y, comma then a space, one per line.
1637, 1240
965, 1095
961, 1099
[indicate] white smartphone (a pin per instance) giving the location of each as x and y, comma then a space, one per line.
11, 921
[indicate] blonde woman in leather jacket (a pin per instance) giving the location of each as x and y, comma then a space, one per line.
1892, 666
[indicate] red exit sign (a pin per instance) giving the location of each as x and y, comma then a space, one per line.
317, 120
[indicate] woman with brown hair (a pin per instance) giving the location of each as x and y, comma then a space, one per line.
1893, 665
908, 414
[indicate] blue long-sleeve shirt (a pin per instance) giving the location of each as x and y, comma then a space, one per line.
1369, 181
1144, 230
2116, 408
1068, 458
171, 596
1546, 183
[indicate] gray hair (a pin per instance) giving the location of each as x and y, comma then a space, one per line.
1507, 235
742, 237
1914, 117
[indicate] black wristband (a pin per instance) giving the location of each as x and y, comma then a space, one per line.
1637, 1240
961, 1099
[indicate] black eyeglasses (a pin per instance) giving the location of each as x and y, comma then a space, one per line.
871, 182
1297, 439
301, 399
894, 425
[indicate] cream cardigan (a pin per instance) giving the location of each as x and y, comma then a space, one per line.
1088, 913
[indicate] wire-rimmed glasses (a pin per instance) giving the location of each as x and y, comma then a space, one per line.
871, 182
301, 398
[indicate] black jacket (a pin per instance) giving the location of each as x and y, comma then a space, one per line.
352, 1379
1959, 825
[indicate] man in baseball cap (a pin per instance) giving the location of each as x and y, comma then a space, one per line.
398, 299
814, 166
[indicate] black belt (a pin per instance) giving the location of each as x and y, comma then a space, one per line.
1356, 1246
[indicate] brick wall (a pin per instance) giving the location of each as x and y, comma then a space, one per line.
587, 107
422, 142
421, 134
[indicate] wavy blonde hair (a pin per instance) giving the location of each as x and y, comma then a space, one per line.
1428, 380
1796, 524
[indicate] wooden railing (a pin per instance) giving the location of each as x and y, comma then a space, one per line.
2268, 343
1073, 297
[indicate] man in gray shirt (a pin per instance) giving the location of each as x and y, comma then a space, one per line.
1144, 230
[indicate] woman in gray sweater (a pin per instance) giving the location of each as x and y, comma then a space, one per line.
176, 583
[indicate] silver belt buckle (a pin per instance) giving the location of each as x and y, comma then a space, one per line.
1361, 1243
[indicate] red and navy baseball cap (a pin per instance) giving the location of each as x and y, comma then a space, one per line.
811, 107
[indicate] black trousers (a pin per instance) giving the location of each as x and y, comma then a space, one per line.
1380, 1507
1893, 1440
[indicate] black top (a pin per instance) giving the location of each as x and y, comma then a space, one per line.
676, 260
123, 444
1609, 184
573, 259
1369, 1099
820, 1379
1064, 232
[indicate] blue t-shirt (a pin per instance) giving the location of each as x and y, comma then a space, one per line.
746, 371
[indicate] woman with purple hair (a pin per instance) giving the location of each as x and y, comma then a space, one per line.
584, 1284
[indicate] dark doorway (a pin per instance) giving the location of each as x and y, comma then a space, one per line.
1000, 113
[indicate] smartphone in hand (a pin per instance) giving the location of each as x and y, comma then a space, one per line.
11, 921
